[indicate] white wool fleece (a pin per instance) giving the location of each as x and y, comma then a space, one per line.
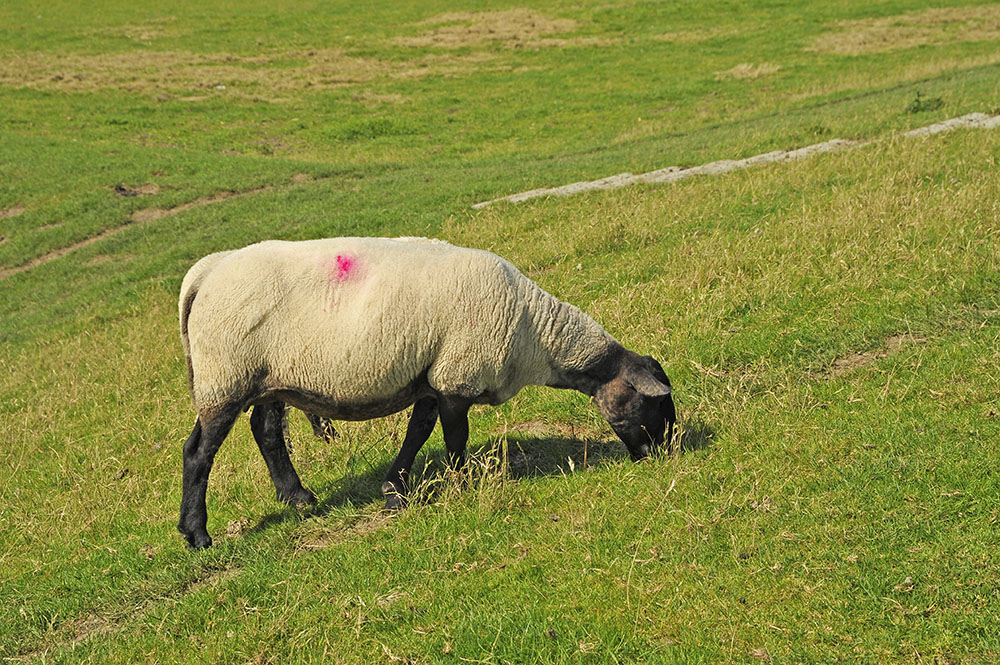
352, 327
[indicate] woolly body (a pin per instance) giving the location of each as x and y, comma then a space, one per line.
356, 328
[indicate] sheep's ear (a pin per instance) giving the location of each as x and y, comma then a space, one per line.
645, 383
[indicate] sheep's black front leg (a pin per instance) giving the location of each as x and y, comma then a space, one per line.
199, 454
422, 421
455, 424
267, 425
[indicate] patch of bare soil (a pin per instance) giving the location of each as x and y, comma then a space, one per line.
853, 361
509, 27
324, 537
747, 70
946, 25
7, 213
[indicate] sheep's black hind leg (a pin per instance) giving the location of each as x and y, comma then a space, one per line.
322, 427
422, 421
267, 425
199, 454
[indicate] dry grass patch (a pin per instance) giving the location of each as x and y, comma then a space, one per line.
179, 73
542, 429
510, 27
848, 80
747, 70
324, 537
948, 25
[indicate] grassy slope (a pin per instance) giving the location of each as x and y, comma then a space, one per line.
810, 494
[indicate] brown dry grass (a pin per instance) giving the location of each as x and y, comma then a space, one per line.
180, 73
541, 429
928, 27
323, 537
510, 27
747, 70
850, 79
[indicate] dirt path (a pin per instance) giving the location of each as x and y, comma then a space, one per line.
142, 216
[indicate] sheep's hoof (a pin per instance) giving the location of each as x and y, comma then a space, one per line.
394, 499
300, 498
197, 541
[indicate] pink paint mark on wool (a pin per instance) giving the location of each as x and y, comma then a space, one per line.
342, 268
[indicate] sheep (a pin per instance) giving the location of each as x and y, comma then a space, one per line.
359, 328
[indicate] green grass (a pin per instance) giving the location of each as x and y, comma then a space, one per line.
831, 328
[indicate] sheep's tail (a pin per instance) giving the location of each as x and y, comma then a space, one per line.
189, 291
187, 299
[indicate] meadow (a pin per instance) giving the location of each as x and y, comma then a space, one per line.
831, 327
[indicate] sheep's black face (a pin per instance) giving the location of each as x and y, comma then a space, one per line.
638, 406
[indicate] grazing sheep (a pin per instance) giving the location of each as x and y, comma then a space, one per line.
358, 328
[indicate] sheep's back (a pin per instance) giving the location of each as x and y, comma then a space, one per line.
357, 319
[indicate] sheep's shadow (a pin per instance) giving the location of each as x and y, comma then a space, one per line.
522, 456
694, 434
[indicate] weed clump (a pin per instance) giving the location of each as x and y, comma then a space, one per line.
921, 104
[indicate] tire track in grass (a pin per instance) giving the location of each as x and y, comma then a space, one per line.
676, 173
145, 216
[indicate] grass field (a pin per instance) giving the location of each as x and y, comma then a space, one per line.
831, 328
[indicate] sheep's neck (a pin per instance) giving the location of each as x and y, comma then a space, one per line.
580, 351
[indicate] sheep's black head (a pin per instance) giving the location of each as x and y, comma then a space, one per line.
638, 406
